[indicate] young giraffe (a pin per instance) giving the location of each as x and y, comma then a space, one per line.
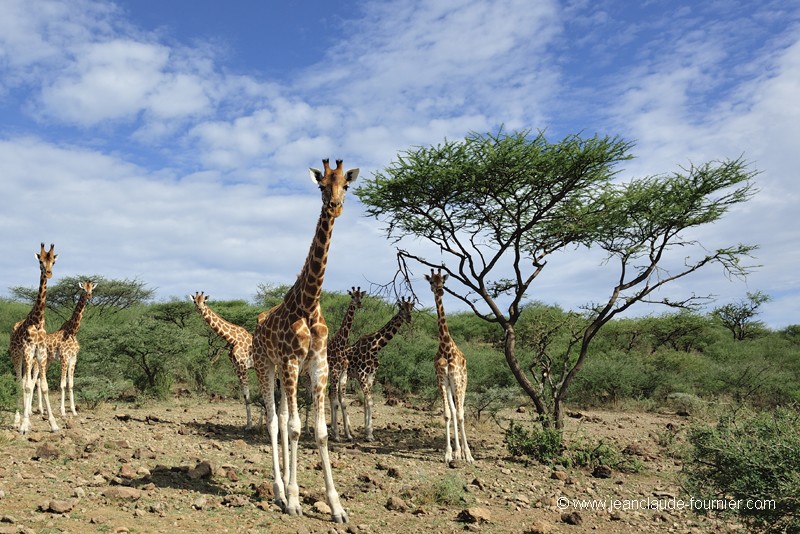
337, 363
63, 344
240, 342
362, 358
292, 337
28, 350
451, 375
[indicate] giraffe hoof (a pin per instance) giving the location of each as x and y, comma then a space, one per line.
340, 518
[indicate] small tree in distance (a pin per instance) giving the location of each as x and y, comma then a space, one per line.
498, 205
739, 317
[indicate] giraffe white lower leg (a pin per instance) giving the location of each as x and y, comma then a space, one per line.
334, 401
292, 488
448, 450
348, 433
464, 446
50, 417
63, 390
246, 394
454, 417
368, 413
268, 395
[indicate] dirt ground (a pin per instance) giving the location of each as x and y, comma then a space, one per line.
187, 465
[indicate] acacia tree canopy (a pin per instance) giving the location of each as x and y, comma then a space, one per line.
502, 203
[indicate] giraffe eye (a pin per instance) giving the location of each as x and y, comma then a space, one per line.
346, 187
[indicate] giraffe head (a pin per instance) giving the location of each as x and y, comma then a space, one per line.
333, 183
437, 280
87, 287
356, 294
199, 299
406, 305
46, 260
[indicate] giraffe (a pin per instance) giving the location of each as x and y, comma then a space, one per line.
451, 376
63, 344
362, 358
28, 349
292, 337
337, 362
240, 342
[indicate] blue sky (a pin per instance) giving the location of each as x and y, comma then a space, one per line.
170, 141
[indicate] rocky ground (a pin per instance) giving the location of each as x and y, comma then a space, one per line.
187, 465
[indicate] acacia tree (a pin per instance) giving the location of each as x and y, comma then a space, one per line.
739, 317
497, 206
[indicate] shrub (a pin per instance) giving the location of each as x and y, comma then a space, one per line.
750, 459
542, 445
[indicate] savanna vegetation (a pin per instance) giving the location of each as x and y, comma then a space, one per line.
497, 207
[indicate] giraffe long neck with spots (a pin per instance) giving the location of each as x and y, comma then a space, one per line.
382, 337
73, 324
36, 315
225, 329
343, 334
304, 295
444, 332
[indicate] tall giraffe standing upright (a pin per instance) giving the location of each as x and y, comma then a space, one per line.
292, 337
337, 363
240, 342
451, 375
28, 349
362, 358
63, 344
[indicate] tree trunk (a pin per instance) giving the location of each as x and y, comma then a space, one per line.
510, 351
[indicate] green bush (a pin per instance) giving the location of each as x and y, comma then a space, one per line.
753, 460
543, 445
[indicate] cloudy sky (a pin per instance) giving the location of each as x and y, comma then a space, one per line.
170, 141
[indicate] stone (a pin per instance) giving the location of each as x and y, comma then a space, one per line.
123, 493
559, 475
126, 471
58, 506
322, 507
572, 518
539, 527
46, 451
475, 514
396, 504
601, 471
201, 470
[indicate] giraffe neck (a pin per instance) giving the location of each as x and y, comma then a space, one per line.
444, 332
347, 323
305, 293
36, 316
383, 336
220, 326
71, 327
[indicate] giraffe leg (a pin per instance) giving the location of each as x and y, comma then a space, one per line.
268, 394
18, 372
454, 418
366, 387
244, 386
318, 373
333, 398
467, 455
70, 379
289, 404
64, 374
29, 376
348, 433
42, 355
448, 450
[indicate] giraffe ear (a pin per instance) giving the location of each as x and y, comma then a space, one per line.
316, 175
428, 278
351, 175
445, 277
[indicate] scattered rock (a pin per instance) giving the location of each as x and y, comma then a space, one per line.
396, 504
322, 507
127, 472
201, 470
601, 471
539, 527
199, 503
572, 518
559, 475
634, 449
58, 506
46, 451
475, 514
235, 500
123, 493
264, 491
478, 484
